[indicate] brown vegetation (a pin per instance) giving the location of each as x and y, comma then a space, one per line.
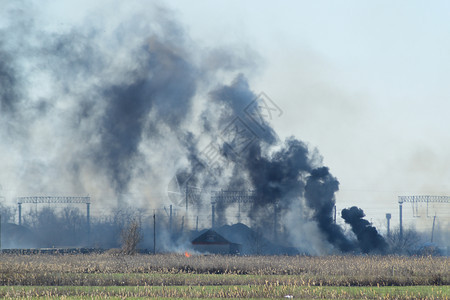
131, 236
171, 269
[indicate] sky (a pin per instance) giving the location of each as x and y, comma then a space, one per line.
363, 82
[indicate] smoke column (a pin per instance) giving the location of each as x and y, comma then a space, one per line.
99, 108
282, 178
320, 190
115, 107
369, 240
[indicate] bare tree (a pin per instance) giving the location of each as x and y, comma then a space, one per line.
405, 244
7, 213
131, 236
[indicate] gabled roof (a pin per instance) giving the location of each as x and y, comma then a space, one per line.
210, 237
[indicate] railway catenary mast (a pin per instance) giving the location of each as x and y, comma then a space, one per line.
230, 197
415, 200
239, 197
57, 200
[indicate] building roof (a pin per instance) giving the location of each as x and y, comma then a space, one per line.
210, 237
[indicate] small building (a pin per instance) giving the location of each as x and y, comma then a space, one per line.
214, 243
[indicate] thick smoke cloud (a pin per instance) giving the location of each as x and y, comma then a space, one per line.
9, 94
168, 90
283, 177
116, 109
320, 189
105, 100
369, 240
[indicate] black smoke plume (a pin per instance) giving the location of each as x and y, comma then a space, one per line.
281, 178
116, 107
320, 189
369, 240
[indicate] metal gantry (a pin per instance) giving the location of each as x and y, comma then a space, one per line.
54, 199
57, 200
424, 198
414, 200
230, 197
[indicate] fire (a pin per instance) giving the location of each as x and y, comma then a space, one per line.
187, 254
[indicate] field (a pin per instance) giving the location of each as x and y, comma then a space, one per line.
177, 276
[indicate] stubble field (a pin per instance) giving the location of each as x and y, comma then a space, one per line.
200, 276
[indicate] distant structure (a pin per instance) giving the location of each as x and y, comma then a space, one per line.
388, 219
181, 193
230, 197
192, 194
214, 243
415, 200
57, 200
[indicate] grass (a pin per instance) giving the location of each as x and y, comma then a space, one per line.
239, 291
177, 276
157, 279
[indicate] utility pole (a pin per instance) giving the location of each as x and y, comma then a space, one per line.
186, 192
275, 221
196, 224
401, 222
239, 212
212, 214
154, 232
20, 213
432, 230
88, 222
170, 220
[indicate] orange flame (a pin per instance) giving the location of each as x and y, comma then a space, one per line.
187, 254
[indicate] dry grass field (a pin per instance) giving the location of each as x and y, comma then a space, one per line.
200, 276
